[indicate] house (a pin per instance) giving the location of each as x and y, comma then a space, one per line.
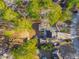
44, 29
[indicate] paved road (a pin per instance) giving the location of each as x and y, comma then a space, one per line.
75, 32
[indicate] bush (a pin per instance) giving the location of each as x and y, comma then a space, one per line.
47, 47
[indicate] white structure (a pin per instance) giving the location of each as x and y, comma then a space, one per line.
61, 35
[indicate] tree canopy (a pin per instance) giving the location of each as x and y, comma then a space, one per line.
2, 5
66, 15
27, 50
54, 12
9, 15
33, 9
71, 3
19, 25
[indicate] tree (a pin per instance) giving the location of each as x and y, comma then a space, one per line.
2, 5
66, 15
27, 50
35, 6
18, 2
9, 15
33, 9
22, 29
54, 12
2, 8
78, 5
71, 3
22, 23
